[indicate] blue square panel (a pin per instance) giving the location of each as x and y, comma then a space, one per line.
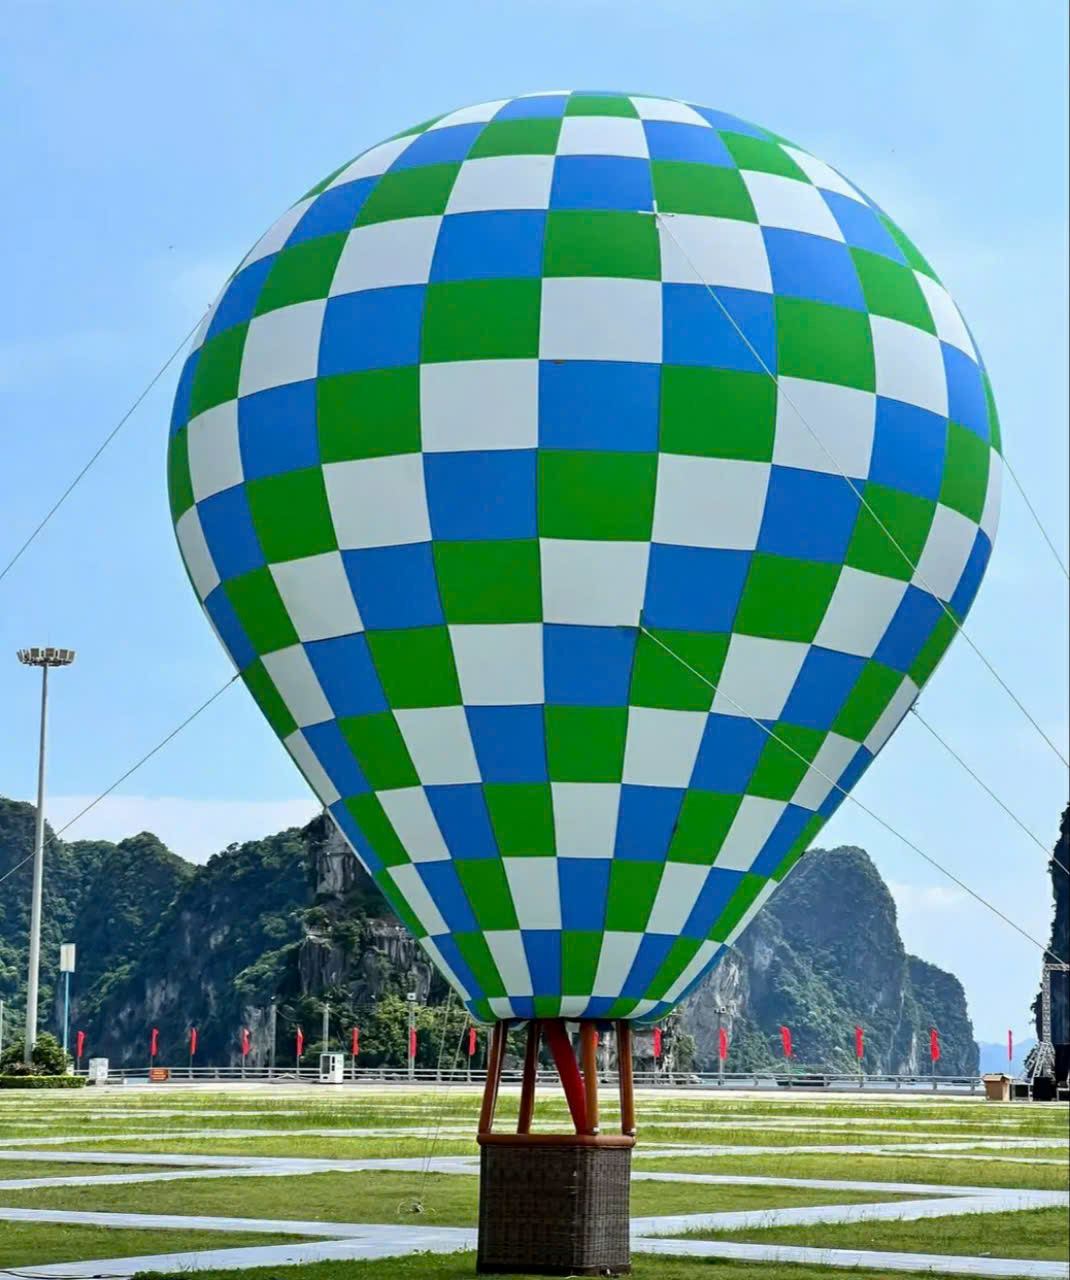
336, 757
809, 515
332, 211
697, 330
587, 666
277, 430
394, 587
461, 814
859, 763
648, 960
537, 107
908, 448
669, 140
712, 899
230, 533
373, 329
599, 404
509, 742
180, 409
444, 885
861, 227
482, 494
449, 145
584, 886
783, 836
963, 598
230, 629
966, 402
822, 687
911, 626
542, 947
813, 267
347, 675
694, 588
646, 821
451, 953
348, 826
601, 182
728, 754
726, 123
238, 302
504, 244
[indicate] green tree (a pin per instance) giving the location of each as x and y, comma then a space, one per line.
48, 1058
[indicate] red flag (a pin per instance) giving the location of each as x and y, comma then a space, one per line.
354, 1045
934, 1044
1010, 1046
785, 1040
722, 1043
472, 1042
300, 1042
657, 1042
860, 1043
154, 1042
193, 1042
412, 1043
79, 1044
246, 1042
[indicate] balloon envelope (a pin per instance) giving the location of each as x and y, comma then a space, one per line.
509, 467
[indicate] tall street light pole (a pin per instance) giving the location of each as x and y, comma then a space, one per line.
43, 658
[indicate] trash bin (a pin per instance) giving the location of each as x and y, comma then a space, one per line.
997, 1087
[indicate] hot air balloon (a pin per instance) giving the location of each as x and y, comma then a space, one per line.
584, 485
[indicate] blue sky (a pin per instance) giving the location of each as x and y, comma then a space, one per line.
149, 146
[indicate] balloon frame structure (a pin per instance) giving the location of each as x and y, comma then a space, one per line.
585, 485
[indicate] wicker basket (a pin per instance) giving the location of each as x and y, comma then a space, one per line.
553, 1209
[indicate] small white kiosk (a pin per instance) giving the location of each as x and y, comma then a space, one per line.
332, 1068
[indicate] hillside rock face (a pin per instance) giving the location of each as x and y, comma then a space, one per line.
1059, 945
823, 956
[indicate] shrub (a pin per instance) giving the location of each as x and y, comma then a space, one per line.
49, 1058
41, 1082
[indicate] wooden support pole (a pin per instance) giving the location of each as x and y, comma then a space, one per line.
589, 1062
527, 1086
624, 1075
495, 1056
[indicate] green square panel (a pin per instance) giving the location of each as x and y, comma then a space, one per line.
489, 581
301, 273
583, 243
260, 610
179, 484
761, 156
378, 830
824, 343
597, 104
749, 888
865, 704
892, 290
993, 416
368, 415
416, 667
380, 750
409, 193
487, 889
596, 495
218, 368
660, 679
933, 649
522, 815
633, 886
966, 463
682, 952
547, 1006
683, 187
482, 320
291, 514
717, 413
784, 761
586, 744
909, 248
785, 599
268, 698
580, 950
890, 533
477, 955
705, 817
517, 138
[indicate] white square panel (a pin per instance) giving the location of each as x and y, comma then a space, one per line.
501, 1007
292, 674
282, 346
502, 182
910, 364
598, 584
194, 548
499, 665
786, 202
833, 756
615, 962
305, 758
702, 957
384, 254
713, 252
412, 819
214, 453
680, 885
862, 606
375, 161
709, 502
585, 818
902, 701
416, 895
588, 318
317, 596
602, 136
823, 175
378, 502
757, 677
990, 514
760, 899
751, 828
506, 947
666, 109
439, 744
947, 548
479, 114
479, 404
536, 893
278, 233
661, 746
842, 419
950, 326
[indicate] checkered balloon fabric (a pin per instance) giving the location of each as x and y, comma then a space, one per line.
584, 484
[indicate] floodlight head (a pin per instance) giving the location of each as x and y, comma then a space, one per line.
46, 657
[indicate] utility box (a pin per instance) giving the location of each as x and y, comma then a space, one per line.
997, 1087
332, 1068
98, 1071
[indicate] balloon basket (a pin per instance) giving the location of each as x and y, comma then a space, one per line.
556, 1204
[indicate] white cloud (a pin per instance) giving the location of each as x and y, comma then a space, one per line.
927, 899
194, 829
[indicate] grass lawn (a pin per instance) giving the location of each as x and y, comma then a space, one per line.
1028, 1233
40, 1243
300, 1146
66, 1168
